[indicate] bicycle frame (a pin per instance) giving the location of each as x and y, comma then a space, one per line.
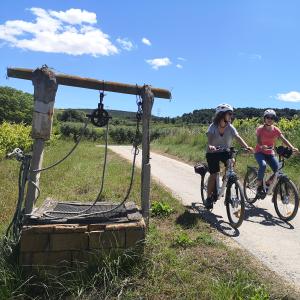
270, 188
275, 177
229, 172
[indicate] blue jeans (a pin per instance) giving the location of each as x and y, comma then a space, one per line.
264, 159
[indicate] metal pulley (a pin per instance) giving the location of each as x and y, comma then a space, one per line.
100, 117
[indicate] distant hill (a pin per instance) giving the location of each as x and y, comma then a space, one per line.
16, 106
205, 115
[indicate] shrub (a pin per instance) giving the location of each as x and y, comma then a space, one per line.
15, 106
14, 136
183, 240
69, 129
161, 209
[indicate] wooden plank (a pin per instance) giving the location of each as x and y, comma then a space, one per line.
36, 163
148, 99
45, 87
90, 83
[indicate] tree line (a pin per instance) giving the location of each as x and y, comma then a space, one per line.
17, 106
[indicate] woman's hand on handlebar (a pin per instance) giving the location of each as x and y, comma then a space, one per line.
212, 148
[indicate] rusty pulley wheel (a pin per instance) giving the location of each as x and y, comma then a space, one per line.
100, 117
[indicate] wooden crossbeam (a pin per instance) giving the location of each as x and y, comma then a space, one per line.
90, 83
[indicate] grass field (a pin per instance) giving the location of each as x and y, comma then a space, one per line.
183, 259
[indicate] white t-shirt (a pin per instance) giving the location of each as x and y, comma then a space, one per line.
218, 140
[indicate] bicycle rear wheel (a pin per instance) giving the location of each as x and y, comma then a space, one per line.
250, 186
235, 203
286, 199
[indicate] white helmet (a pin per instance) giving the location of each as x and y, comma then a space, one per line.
223, 108
269, 112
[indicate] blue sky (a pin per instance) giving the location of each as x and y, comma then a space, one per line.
246, 53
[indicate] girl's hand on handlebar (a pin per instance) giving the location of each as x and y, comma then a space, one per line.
294, 149
250, 149
265, 147
212, 148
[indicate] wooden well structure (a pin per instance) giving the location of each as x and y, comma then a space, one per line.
45, 82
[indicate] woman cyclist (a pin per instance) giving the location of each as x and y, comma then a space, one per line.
267, 134
220, 135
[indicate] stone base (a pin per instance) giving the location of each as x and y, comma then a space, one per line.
68, 244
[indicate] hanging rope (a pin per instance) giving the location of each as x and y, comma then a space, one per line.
71, 151
13, 230
83, 213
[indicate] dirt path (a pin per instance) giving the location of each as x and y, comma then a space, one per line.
274, 242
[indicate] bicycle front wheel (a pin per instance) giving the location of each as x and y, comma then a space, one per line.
286, 199
235, 203
250, 186
203, 187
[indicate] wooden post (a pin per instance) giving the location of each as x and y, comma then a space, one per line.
45, 88
148, 99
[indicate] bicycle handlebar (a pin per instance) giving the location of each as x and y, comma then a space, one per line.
231, 149
17, 152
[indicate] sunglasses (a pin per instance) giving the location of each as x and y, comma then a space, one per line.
270, 118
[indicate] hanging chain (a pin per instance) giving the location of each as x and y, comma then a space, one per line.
139, 114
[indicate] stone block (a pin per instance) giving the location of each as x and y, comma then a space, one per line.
96, 227
106, 239
34, 242
59, 258
38, 229
69, 241
25, 258
135, 237
68, 228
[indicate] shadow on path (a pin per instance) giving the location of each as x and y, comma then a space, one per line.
261, 216
189, 218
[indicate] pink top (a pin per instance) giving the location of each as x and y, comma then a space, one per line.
267, 137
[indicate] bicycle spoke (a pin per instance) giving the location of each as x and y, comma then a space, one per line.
286, 200
235, 204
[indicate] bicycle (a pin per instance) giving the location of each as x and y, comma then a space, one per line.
285, 194
230, 187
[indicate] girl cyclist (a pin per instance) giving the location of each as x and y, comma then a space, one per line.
220, 135
267, 134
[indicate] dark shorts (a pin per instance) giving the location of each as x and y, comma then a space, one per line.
214, 159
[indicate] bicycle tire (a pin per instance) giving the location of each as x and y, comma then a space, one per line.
203, 186
249, 174
286, 182
228, 203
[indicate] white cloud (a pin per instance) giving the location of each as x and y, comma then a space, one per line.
125, 44
75, 16
146, 41
251, 56
256, 56
292, 96
179, 66
58, 32
181, 58
157, 63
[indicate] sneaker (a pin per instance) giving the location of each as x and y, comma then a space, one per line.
260, 192
209, 204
